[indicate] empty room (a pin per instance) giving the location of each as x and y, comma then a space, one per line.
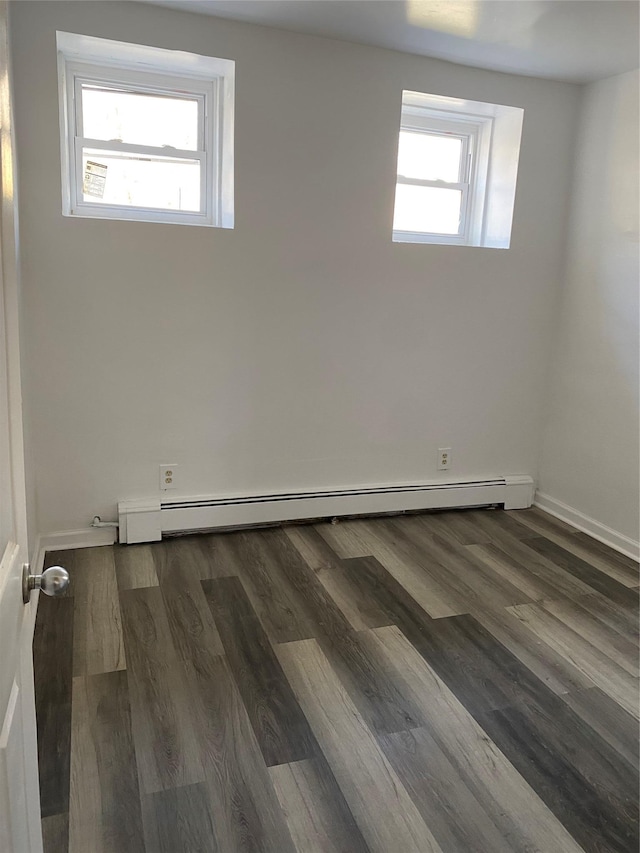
319, 426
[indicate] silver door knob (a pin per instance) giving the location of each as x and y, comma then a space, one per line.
52, 581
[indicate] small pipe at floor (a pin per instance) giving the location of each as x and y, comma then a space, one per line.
97, 522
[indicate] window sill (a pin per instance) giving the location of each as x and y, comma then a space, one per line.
137, 215
439, 240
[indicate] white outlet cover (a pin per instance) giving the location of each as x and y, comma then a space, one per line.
168, 477
444, 463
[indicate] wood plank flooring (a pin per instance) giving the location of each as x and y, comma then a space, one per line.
456, 682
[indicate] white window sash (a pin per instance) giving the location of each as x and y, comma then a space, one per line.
138, 83
464, 207
468, 138
205, 92
469, 131
170, 89
173, 154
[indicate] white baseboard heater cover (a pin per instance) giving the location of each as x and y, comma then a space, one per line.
146, 520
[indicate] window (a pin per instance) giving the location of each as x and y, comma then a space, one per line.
147, 134
437, 167
455, 160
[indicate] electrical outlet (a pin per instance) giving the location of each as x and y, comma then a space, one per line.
168, 474
444, 458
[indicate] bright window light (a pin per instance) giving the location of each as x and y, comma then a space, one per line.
140, 118
429, 157
432, 210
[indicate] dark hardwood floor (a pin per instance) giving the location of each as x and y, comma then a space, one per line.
464, 682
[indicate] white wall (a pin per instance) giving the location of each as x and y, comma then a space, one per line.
303, 348
590, 457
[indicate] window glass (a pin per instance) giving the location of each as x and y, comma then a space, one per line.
433, 210
429, 157
134, 180
139, 118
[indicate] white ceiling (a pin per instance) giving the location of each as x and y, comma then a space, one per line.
574, 40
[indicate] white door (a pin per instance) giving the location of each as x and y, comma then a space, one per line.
19, 793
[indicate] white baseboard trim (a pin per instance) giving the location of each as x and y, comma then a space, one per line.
624, 544
146, 520
66, 540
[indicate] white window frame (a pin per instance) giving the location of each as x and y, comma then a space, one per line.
475, 135
143, 69
494, 132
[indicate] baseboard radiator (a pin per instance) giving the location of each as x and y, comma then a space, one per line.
148, 519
